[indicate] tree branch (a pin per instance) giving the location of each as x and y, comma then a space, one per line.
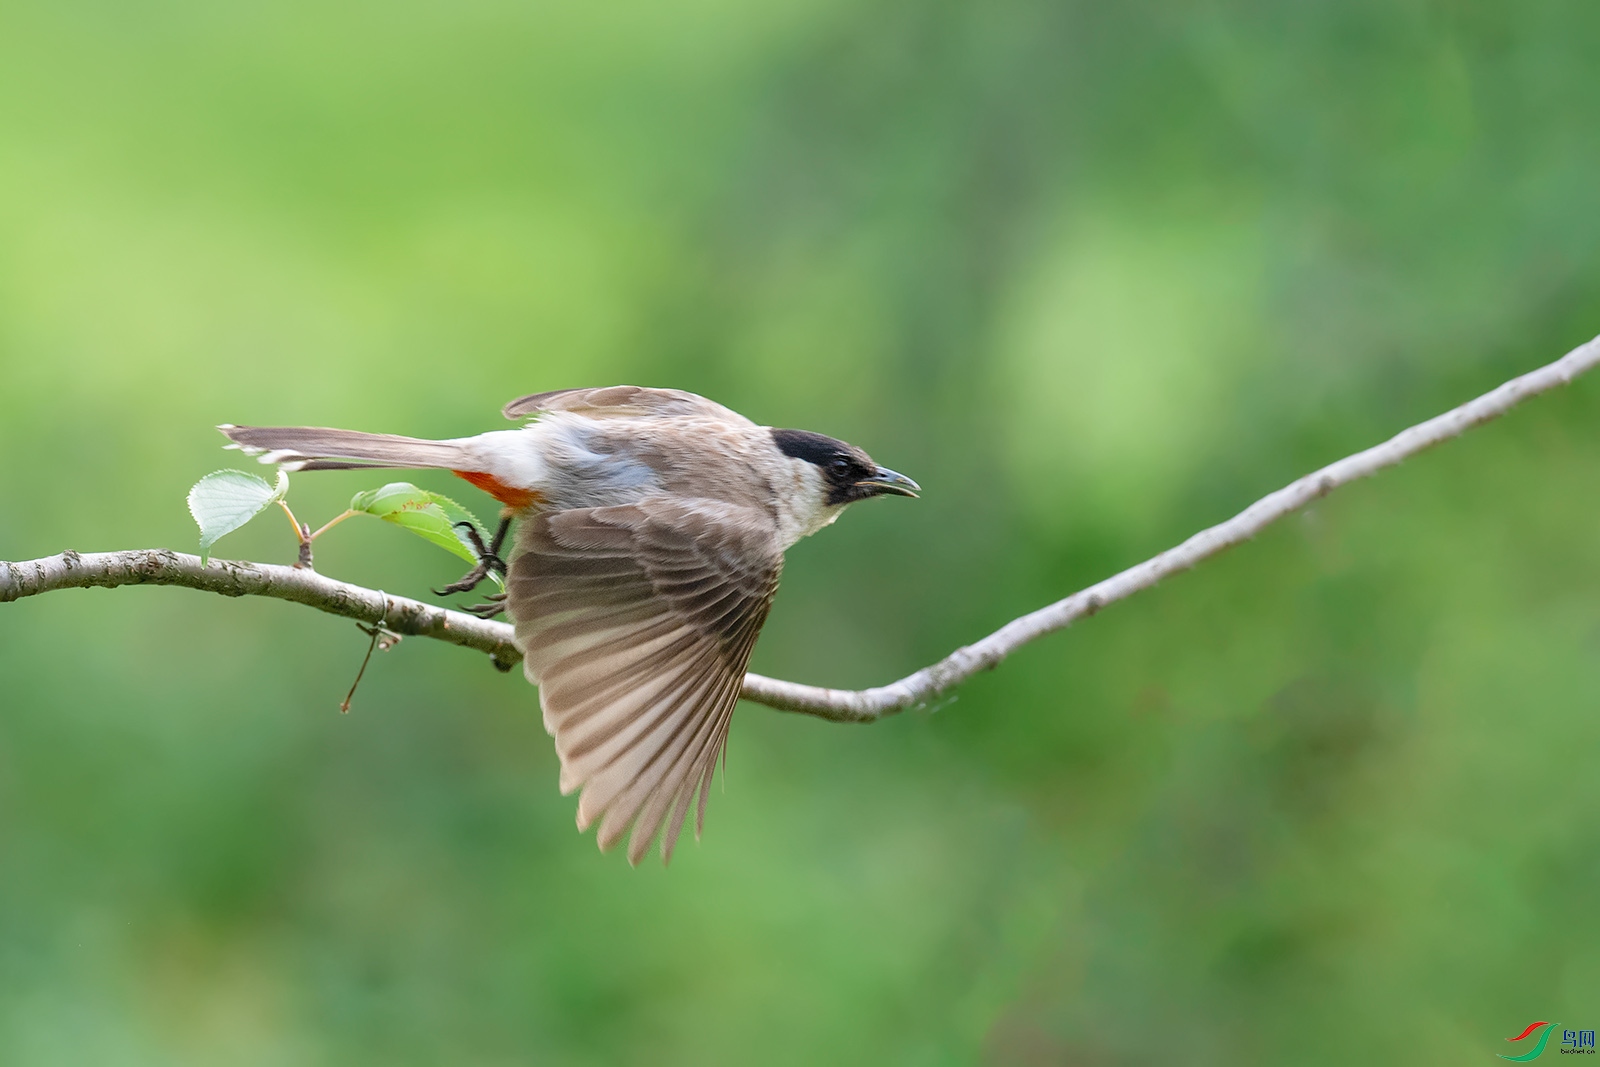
162, 566
70, 570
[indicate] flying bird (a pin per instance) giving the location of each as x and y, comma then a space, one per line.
650, 531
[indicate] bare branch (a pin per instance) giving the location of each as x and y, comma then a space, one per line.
161, 566
401, 615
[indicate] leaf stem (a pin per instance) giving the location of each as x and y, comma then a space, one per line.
299, 535
331, 523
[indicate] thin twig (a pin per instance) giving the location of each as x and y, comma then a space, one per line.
373, 632
411, 617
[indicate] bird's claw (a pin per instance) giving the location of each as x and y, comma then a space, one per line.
493, 605
469, 581
488, 561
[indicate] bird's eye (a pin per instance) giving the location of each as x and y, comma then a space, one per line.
839, 465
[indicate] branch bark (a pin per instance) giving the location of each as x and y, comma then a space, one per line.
162, 566
72, 570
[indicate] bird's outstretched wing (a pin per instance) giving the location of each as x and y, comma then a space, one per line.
636, 622
622, 401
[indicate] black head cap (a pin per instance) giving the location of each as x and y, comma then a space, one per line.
848, 472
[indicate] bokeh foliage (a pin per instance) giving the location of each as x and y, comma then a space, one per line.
1095, 274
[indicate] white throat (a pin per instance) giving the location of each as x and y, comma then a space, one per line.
802, 500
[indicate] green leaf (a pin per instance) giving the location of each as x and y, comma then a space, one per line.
431, 516
223, 501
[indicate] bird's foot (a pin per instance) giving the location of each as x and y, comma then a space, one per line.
493, 605
489, 560
469, 581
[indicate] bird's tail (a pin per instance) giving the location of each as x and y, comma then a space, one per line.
316, 448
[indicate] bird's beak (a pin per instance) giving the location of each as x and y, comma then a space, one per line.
886, 481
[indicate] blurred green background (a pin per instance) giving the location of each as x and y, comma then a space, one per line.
1097, 275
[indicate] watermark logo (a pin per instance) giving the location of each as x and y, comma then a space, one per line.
1573, 1042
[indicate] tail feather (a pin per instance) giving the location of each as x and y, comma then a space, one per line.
320, 448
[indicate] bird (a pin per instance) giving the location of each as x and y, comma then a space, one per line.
651, 526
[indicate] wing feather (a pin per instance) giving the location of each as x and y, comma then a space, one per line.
675, 761
688, 779
637, 768
708, 734
643, 773
622, 401
628, 716
637, 623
